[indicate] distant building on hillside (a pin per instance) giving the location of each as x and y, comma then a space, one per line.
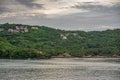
63, 37
22, 29
10, 30
26, 29
34, 27
19, 29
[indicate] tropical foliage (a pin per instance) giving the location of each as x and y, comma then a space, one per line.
45, 42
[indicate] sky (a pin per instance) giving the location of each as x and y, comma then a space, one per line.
87, 15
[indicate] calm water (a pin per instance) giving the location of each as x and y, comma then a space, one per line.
60, 69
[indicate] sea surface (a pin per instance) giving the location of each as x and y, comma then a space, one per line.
61, 69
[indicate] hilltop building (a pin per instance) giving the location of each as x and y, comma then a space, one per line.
19, 29
34, 27
22, 29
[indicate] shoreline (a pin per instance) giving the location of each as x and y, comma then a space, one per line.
64, 58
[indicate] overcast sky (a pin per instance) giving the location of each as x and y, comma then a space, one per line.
84, 15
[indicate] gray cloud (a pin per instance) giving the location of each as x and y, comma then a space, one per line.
1, 2
30, 4
94, 7
64, 14
6, 6
3, 10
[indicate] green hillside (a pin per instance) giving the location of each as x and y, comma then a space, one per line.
45, 42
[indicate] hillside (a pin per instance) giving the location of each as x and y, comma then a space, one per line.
25, 41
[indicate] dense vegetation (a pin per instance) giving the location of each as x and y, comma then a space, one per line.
46, 42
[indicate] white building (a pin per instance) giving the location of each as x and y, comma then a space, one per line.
34, 27
63, 37
26, 29
10, 30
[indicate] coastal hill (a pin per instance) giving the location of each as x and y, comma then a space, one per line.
19, 41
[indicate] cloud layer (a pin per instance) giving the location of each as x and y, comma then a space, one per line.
63, 14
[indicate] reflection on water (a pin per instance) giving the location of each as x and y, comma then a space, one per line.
60, 69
